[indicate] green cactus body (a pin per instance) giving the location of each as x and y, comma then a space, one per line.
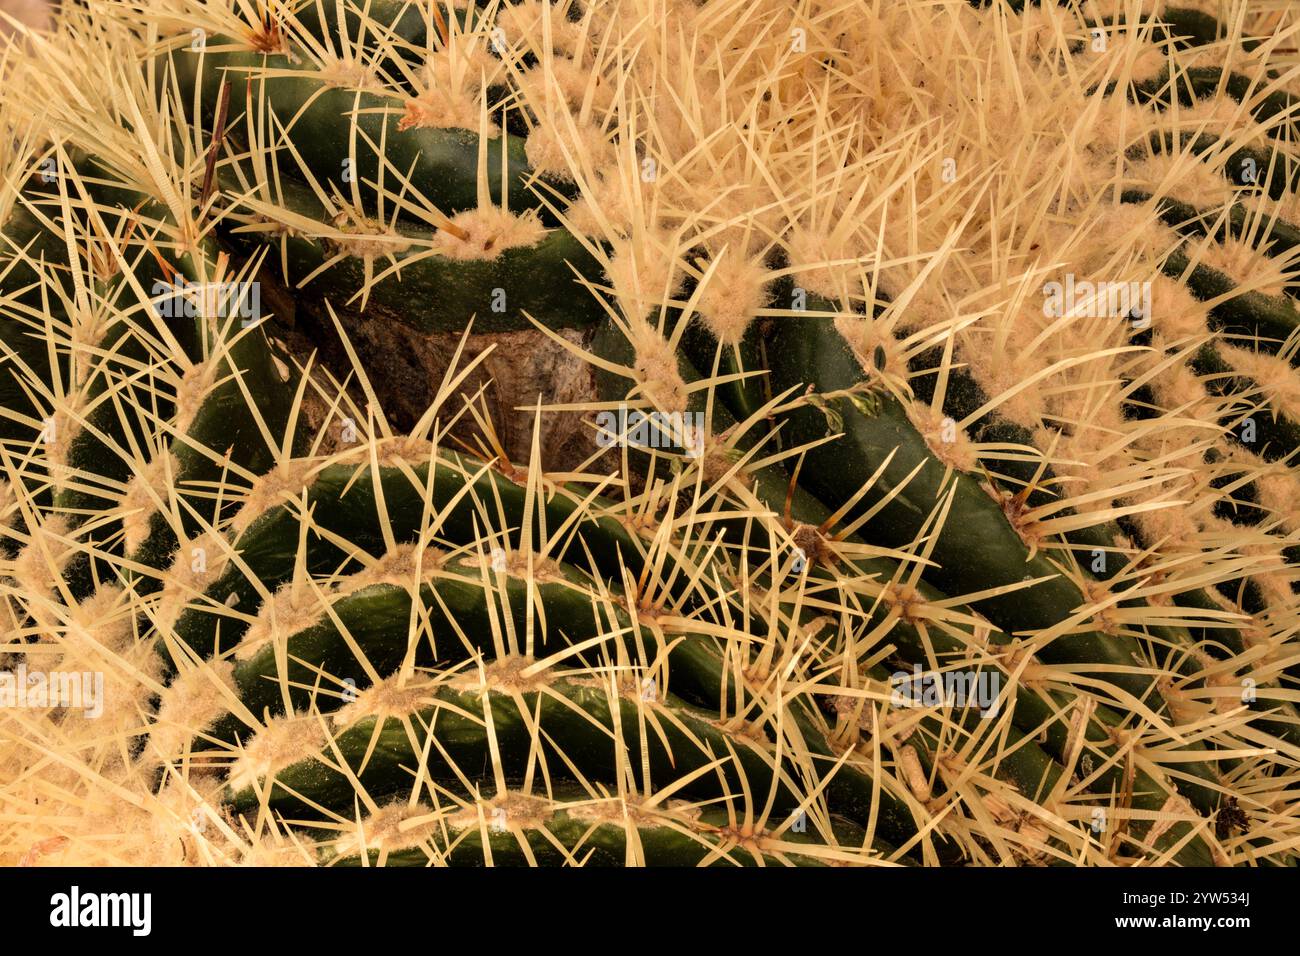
359, 644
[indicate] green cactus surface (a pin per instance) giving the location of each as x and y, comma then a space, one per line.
924, 495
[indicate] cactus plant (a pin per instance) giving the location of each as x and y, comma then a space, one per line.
932, 500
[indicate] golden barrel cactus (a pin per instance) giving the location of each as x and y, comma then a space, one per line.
650, 432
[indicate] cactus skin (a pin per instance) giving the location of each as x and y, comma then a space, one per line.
389, 650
